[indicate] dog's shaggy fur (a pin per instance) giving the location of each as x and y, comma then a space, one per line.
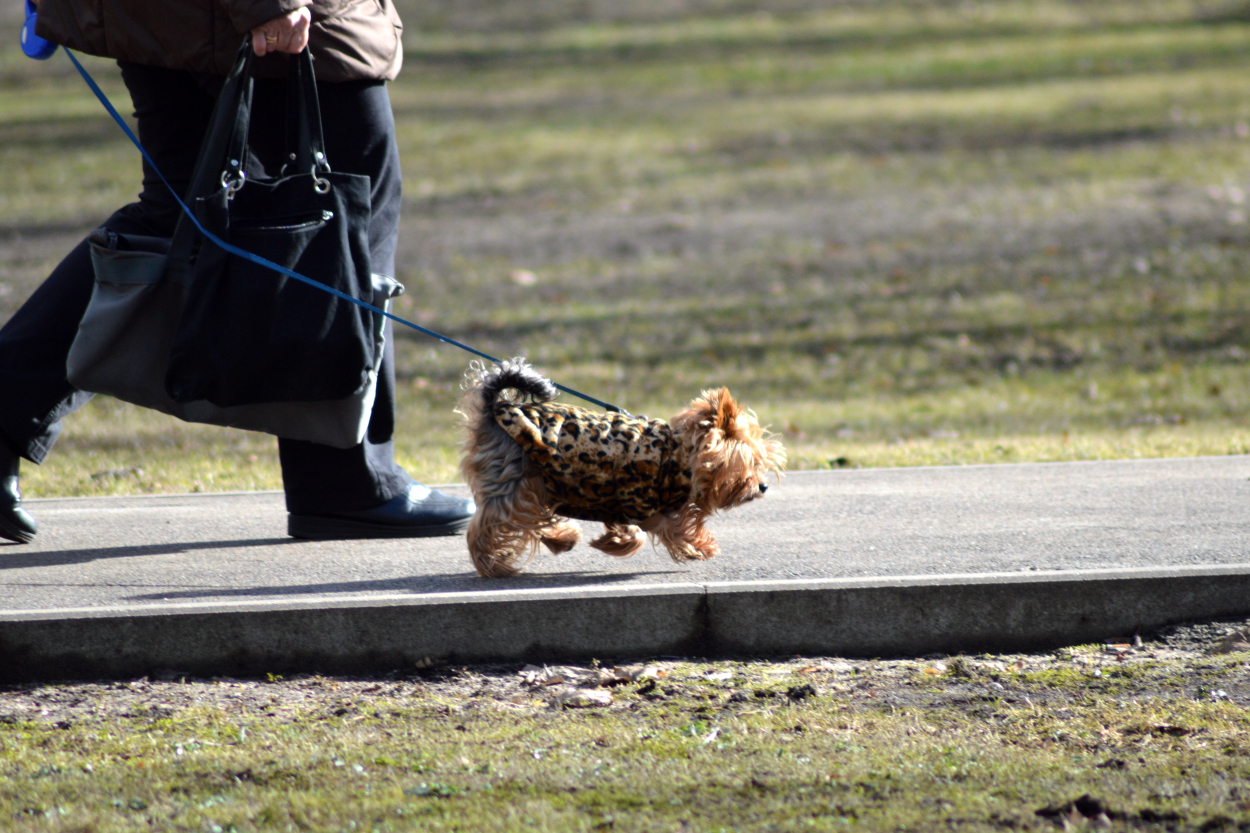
532, 463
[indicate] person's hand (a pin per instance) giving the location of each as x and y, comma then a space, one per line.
288, 33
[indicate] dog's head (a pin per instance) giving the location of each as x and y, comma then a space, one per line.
731, 455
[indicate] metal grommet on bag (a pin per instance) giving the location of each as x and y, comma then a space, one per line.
233, 186
320, 185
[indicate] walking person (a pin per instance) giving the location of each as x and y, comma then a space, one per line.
173, 56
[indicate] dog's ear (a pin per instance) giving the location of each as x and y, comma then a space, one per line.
730, 416
714, 410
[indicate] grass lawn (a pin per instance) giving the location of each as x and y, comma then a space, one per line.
1088, 738
905, 233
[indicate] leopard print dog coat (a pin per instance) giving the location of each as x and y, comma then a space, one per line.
610, 468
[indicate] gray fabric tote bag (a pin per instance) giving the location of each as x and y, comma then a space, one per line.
123, 343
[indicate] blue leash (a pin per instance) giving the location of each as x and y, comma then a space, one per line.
235, 250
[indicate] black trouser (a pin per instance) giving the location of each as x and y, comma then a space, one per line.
173, 109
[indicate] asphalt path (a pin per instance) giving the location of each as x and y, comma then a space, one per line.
97, 552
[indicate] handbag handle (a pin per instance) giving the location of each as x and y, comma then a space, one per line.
231, 114
303, 123
304, 140
223, 156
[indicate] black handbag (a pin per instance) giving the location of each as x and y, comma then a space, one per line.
146, 290
249, 334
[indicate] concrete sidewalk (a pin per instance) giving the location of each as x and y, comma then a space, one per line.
866, 562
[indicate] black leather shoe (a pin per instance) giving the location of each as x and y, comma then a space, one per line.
16, 524
419, 512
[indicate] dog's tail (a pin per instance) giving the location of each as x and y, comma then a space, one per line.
514, 380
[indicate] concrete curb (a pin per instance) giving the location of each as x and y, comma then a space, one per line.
903, 616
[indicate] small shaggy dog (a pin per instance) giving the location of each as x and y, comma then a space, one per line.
532, 463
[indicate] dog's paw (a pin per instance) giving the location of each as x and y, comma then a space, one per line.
560, 537
619, 540
683, 551
497, 563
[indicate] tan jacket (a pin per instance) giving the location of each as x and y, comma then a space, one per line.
351, 40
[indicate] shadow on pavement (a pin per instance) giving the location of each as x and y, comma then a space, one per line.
435, 583
18, 560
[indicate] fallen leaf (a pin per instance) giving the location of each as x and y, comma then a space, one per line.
543, 676
1233, 643
634, 673
582, 698
539, 676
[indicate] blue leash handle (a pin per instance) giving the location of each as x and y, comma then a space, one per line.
235, 250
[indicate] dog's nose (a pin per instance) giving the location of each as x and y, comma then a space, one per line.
763, 488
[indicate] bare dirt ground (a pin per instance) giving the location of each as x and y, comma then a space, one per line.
1183, 661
